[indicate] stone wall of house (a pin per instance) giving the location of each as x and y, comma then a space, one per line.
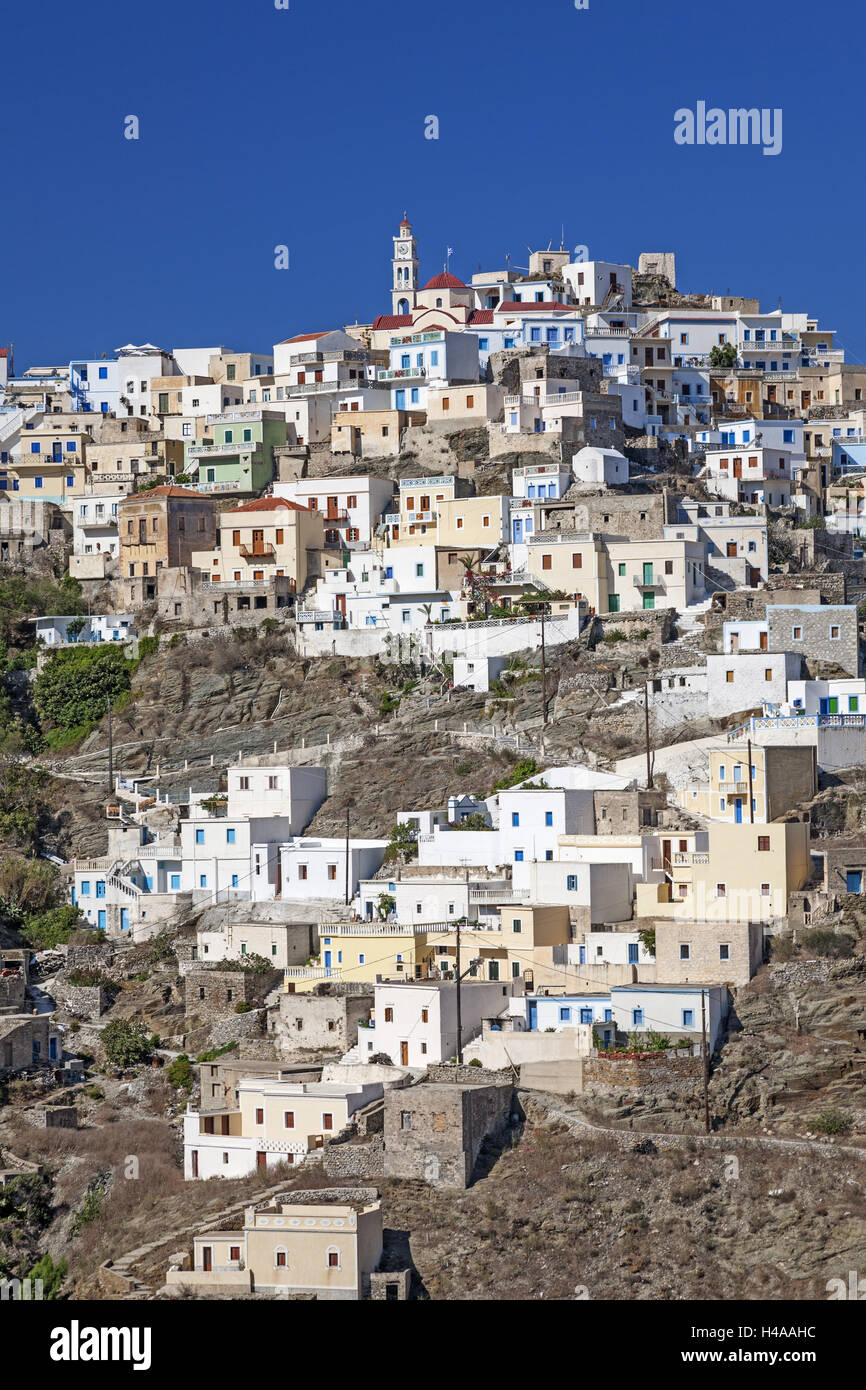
305, 1022
237, 1026
212, 994
661, 1073
435, 1131
17, 1036
355, 1160
52, 1116
90, 1001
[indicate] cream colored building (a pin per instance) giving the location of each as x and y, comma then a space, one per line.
296, 1243
275, 1122
744, 875
269, 536
573, 563
647, 574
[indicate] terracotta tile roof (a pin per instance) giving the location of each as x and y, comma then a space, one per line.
167, 490
392, 321
308, 337
445, 281
516, 306
480, 316
267, 504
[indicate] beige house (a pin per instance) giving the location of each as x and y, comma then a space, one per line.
371, 433
296, 1243
264, 538
744, 875
782, 775
475, 521
475, 404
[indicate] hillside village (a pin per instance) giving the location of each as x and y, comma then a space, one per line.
431, 766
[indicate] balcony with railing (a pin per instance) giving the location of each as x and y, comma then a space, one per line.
652, 581
401, 373
259, 550
200, 451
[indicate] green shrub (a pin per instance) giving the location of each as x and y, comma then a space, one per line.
475, 1062
51, 1275
88, 1211
832, 1120
180, 1074
52, 928
243, 1008
215, 1052
520, 772
823, 942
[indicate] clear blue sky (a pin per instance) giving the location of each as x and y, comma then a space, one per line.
306, 127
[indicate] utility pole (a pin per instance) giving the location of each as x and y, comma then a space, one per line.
459, 1014
751, 797
649, 769
704, 1060
347, 856
543, 674
110, 749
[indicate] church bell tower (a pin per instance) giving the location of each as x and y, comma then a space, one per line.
404, 289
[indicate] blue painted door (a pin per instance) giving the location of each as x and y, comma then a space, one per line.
101, 919
854, 881
327, 960
400, 400
533, 1014
517, 530
124, 919
583, 955
824, 705
738, 811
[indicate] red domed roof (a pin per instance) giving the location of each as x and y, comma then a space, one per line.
445, 281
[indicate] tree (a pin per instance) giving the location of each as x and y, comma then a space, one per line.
385, 905
403, 838
723, 356
24, 810
28, 887
74, 685
125, 1042
647, 938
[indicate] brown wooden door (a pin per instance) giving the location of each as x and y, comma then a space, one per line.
258, 542
207, 1258
732, 549
404, 1054
261, 1159
738, 468
762, 641
195, 1163
666, 853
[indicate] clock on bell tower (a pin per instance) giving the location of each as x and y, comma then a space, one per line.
404, 263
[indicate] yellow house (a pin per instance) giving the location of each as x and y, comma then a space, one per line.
299, 1242
52, 463
262, 538
745, 875
375, 951
782, 775
475, 521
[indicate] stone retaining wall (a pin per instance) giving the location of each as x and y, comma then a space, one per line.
354, 1160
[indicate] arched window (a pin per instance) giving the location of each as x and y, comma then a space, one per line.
438, 303
281, 1257
403, 306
